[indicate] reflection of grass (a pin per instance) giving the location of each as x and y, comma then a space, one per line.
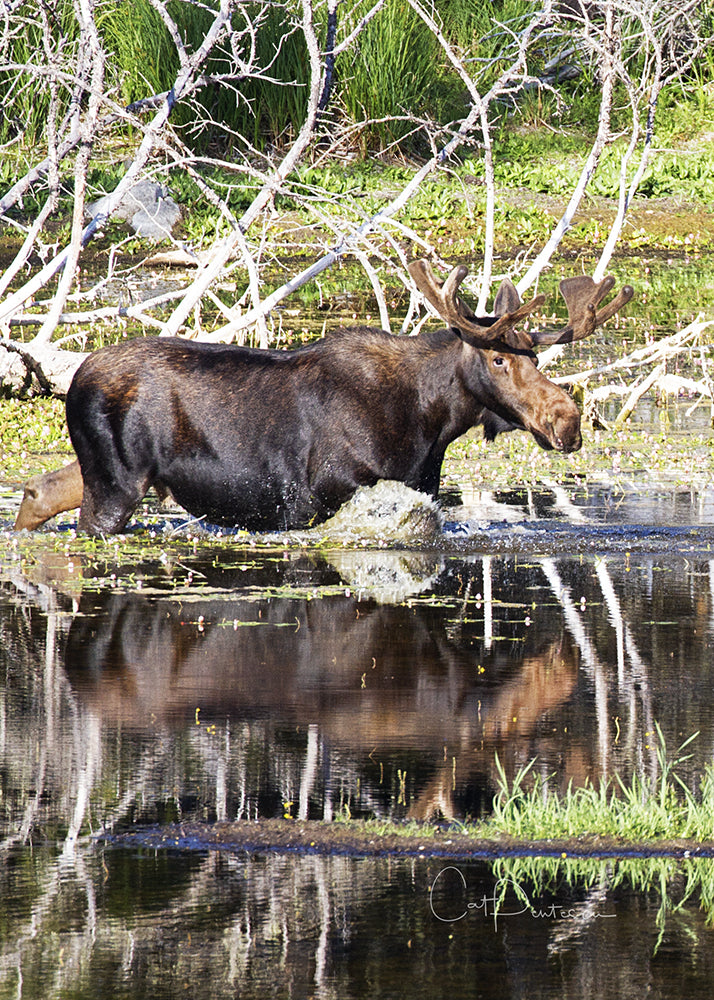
674, 882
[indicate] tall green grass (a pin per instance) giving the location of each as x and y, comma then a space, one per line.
257, 111
25, 96
395, 70
642, 810
390, 76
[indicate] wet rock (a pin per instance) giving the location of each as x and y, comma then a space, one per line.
147, 207
388, 513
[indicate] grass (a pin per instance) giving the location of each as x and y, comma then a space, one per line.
671, 883
391, 76
39, 439
648, 814
646, 809
643, 813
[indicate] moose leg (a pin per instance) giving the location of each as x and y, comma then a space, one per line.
107, 506
49, 494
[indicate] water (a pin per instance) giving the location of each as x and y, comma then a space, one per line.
218, 925
164, 680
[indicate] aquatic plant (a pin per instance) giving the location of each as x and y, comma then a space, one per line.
589, 886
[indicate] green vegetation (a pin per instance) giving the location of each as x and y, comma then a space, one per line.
39, 439
383, 78
397, 70
644, 810
651, 813
390, 89
672, 883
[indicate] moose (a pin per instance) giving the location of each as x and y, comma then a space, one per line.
272, 439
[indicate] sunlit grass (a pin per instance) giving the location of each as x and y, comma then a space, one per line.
645, 809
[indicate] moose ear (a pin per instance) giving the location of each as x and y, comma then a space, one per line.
507, 298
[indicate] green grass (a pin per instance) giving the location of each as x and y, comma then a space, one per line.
643, 810
34, 437
391, 75
671, 883
396, 68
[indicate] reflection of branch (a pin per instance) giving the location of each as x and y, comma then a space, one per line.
589, 654
585, 913
309, 773
626, 644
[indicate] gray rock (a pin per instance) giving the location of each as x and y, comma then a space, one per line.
147, 207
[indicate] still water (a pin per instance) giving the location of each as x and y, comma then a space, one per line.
160, 681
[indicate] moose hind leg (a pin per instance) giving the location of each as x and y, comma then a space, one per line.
49, 494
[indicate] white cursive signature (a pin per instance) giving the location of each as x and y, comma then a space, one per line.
495, 906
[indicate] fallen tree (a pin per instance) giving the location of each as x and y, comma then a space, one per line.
634, 46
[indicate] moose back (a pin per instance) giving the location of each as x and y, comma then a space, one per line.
276, 439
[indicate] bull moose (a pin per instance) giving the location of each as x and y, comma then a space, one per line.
273, 439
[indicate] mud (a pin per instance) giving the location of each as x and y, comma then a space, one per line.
363, 840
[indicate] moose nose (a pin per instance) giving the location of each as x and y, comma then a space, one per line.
572, 443
563, 426
565, 433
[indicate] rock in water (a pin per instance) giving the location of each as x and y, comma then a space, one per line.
388, 513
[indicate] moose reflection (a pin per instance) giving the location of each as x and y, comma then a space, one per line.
389, 700
371, 683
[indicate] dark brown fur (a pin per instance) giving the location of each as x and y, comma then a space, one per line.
277, 439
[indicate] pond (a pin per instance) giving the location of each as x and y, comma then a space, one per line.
162, 685
193, 725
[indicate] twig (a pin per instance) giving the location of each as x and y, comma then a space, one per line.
667, 347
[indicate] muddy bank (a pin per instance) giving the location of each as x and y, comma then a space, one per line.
365, 840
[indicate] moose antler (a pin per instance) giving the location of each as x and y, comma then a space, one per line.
456, 313
582, 296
